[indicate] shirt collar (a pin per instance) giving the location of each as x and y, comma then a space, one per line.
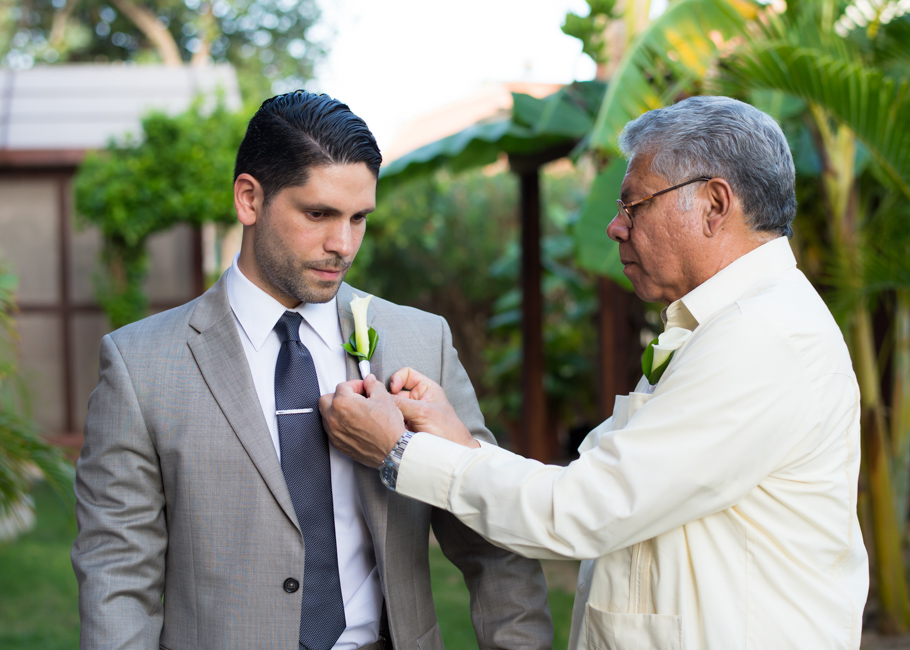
258, 312
728, 284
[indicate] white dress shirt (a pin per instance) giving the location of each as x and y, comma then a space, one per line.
718, 512
256, 314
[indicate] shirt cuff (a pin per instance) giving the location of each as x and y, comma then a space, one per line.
427, 467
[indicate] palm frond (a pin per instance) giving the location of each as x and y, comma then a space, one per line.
888, 46
874, 106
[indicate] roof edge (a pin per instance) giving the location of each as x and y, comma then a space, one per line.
40, 158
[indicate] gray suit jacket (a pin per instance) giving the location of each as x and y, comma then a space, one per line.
180, 496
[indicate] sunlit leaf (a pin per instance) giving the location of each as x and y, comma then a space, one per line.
596, 251
675, 49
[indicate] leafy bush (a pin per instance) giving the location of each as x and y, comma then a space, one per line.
23, 455
178, 171
449, 244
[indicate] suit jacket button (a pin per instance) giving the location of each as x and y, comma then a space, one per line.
291, 585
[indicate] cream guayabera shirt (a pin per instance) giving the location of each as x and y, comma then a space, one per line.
718, 512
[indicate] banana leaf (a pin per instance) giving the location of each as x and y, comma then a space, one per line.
534, 125
667, 58
596, 252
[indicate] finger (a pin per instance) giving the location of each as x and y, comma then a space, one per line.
373, 387
413, 411
408, 381
396, 382
407, 378
403, 396
328, 411
355, 386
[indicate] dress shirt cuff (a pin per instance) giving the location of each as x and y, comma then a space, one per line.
427, 467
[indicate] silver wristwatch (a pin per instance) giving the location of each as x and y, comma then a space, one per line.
388, 471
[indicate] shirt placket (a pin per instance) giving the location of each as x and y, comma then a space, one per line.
640, 579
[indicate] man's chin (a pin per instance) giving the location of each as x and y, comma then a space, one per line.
630, 270
322, 291
644, 292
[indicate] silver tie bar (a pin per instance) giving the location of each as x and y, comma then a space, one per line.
293, 411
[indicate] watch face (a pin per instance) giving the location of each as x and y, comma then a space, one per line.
389, 475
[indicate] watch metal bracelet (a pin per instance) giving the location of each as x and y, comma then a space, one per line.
388, 471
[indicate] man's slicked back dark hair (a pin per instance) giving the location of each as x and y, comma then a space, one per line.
294, 132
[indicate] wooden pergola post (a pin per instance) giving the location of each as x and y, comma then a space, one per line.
615, 336
534, 402
532, 438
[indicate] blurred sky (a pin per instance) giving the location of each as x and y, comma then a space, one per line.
391, 60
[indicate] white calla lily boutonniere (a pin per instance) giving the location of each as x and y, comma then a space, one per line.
362, 343
659, 352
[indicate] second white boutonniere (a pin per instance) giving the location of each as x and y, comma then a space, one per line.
659, 352
362, 343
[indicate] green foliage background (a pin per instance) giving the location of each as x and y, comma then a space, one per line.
21, 448
449, 244
267, 41
178, 170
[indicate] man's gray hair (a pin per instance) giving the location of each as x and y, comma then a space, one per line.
719, 137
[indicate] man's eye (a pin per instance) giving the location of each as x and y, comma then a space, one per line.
313, 214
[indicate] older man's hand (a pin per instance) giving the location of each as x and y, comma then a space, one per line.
426, 408
362, 420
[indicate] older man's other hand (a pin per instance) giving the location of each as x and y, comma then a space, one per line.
362, 420
426, 408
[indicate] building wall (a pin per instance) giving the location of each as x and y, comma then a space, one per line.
56, 260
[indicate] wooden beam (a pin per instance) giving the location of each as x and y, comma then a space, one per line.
65, 216
533, 433
522, 164
198, 262
51, 159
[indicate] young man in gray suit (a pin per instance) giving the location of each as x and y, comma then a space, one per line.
212, 512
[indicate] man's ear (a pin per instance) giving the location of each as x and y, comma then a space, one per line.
248, 198
720, 206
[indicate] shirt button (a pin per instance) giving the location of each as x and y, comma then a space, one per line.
290, 585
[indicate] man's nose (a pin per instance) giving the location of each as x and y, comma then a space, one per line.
340, 238
618, 229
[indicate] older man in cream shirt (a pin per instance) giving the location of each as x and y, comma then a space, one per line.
717, 507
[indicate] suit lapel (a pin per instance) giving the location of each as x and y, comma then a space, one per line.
346, 318
373, 495
218, 352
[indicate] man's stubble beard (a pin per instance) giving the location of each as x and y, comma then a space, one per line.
287, 274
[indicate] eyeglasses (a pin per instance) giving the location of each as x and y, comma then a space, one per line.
624, 207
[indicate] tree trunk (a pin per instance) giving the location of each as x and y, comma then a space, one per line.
900, 407
206, 33
837, 147
58, 27
154, 30
886, 533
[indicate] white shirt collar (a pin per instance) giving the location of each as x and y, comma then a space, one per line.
258, 312
728, 284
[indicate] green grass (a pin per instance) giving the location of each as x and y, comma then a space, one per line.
38, 591
561, 601
452, 601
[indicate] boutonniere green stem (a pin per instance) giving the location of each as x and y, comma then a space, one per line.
362, 343
659, 352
